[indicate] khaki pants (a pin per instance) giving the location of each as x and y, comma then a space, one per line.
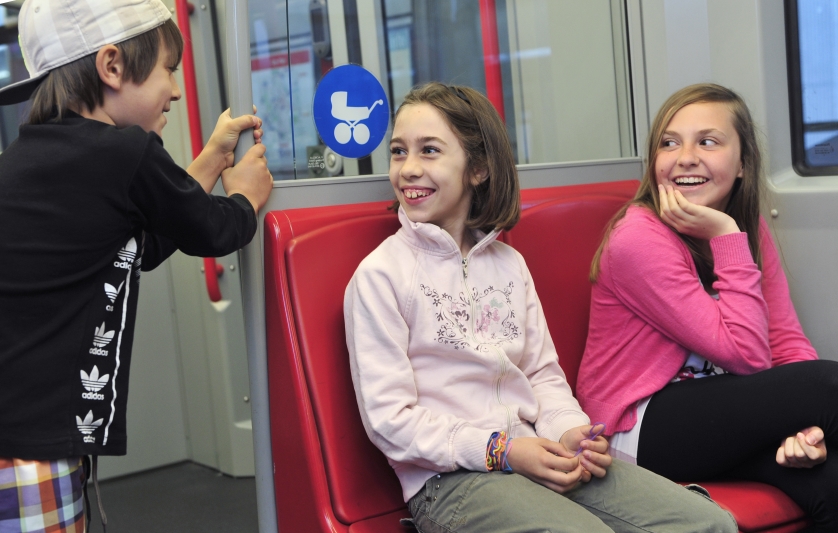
627, 499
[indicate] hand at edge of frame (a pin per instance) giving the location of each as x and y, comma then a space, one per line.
804, 450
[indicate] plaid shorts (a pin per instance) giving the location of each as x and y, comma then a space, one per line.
41, 496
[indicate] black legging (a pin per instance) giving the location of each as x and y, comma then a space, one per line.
729, 427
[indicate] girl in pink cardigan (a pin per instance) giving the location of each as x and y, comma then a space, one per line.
695, 358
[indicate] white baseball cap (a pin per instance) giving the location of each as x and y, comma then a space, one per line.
54, 33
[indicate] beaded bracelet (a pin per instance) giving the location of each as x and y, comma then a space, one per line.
496, 451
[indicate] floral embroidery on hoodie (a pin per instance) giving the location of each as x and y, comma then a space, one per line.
491, 323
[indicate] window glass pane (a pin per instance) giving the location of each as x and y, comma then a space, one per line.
282, 54
819, 78
12, 70
815, 85
568, 79
558, 104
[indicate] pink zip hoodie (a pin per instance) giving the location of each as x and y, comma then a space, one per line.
649, 312
444, 351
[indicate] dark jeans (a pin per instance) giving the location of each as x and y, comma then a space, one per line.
729, 427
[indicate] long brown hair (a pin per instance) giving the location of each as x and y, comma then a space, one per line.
747, 193
496, 201
77, 85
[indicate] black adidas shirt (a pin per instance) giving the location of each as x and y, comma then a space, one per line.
83, 208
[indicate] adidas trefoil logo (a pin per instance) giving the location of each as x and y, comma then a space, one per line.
129, 251
88, 426
112, 293
127, 255
93, 383
101, 338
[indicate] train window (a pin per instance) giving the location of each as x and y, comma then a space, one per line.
812, 43
12, 70
558, 74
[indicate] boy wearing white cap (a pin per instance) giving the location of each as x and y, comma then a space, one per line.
88, 199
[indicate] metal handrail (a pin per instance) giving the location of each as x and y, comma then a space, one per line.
240, 84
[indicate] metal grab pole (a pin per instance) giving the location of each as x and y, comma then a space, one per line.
252, 277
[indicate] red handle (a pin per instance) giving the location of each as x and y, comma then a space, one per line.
491, 55
213, 271
190, 86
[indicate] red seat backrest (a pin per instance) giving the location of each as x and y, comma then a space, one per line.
558, 239
320, 265
328, 473
533, 197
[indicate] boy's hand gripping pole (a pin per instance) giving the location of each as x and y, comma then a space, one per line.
240, 89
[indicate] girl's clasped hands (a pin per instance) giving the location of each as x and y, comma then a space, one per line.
559, 465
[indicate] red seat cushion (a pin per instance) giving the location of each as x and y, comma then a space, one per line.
388, 523
756, 506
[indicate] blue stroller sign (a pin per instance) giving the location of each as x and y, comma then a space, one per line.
351, 111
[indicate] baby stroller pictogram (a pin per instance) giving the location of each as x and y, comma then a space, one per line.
345, 109
351, 116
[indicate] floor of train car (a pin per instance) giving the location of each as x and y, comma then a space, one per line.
181, 498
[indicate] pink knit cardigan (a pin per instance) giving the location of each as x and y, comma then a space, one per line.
649, 311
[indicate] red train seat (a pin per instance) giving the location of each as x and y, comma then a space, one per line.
328, 476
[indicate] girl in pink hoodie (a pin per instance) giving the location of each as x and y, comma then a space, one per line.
695, 358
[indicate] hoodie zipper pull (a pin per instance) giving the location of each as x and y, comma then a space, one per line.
465, 268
